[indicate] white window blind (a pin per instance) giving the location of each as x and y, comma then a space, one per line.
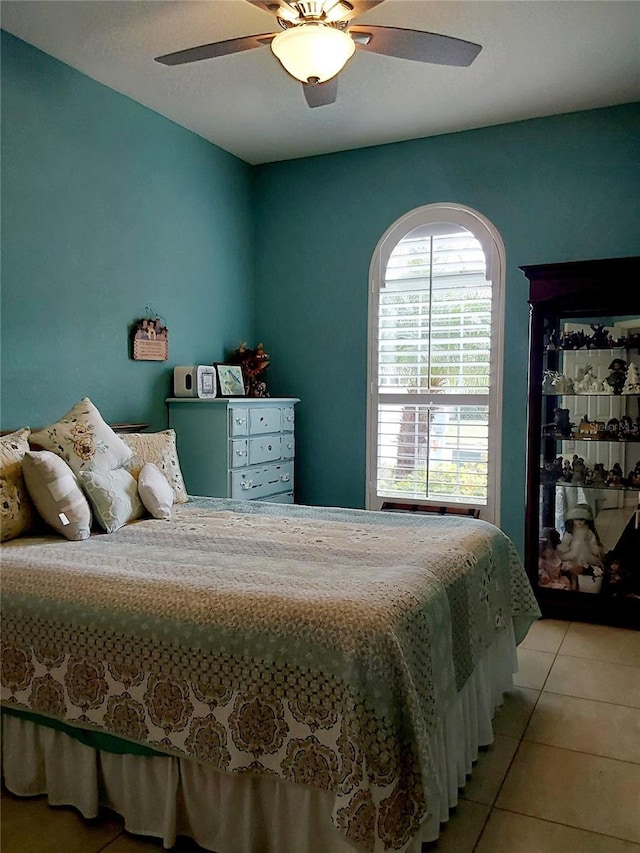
434, 368
434, 314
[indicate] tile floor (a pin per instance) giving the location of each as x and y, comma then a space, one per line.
563, 775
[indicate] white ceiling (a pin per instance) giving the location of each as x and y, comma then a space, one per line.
539, 57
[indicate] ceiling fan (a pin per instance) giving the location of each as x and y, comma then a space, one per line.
316, 40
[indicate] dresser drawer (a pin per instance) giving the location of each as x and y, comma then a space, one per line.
288, 419
260, 482
239, 453
265, 419
238, 420
265, 448
288, 446
284, 498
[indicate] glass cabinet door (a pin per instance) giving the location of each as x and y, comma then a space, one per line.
590, 457
582, 525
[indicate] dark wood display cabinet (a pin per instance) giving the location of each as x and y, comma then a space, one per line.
582, 537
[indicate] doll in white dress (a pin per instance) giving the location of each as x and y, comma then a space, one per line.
580, 549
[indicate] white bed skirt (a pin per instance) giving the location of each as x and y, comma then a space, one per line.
165, 796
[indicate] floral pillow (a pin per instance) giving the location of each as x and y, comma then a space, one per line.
17, 514
159, 448
83, 440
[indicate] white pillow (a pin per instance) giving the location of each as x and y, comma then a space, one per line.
155, 492
56, 494
83, 440
114, 497
159, 448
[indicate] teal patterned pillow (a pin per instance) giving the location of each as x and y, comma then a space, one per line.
113, 496
83, 440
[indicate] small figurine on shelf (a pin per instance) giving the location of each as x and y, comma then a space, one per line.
615, 478
626, 426
547, 382
599, 476
633, 479
632, 380
552, 342
600, 339
549, 561
561, 422
616, 578
574, 340
613, 428
616, 379
589, 428
585, 379
580, 550
578, 469
563, 384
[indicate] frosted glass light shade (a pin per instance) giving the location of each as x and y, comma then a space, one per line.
313, 51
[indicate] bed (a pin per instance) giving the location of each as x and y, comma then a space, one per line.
260, 677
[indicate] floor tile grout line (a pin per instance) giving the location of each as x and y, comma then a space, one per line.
482, 829
590, 699
598, 660
520, 740
555, 657
492, 805
579, 752
109, 843
568, 825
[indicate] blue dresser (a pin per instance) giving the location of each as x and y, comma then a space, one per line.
241, 448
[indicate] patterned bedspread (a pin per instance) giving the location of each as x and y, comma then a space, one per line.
318, 645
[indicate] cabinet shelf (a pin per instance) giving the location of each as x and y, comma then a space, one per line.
564, 485
591, 438
579, 304
594, 394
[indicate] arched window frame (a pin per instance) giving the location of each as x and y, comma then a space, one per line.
493, 247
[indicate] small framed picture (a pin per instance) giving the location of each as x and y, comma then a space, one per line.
230, 380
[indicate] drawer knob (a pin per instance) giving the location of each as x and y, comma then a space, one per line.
285, 478
239, 420
247, 484
289, 417
241, 452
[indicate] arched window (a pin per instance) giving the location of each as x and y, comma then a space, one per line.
436, 315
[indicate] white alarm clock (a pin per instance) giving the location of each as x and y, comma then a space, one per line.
197, 381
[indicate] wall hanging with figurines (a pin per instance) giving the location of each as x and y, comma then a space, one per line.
149, 338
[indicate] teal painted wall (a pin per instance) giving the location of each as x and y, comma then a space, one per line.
107, 207
557, 189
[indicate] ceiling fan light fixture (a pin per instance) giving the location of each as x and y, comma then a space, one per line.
313, 51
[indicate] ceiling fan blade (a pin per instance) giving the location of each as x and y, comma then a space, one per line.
216, 48
360, 7
267, 5
415, 44
319, 94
